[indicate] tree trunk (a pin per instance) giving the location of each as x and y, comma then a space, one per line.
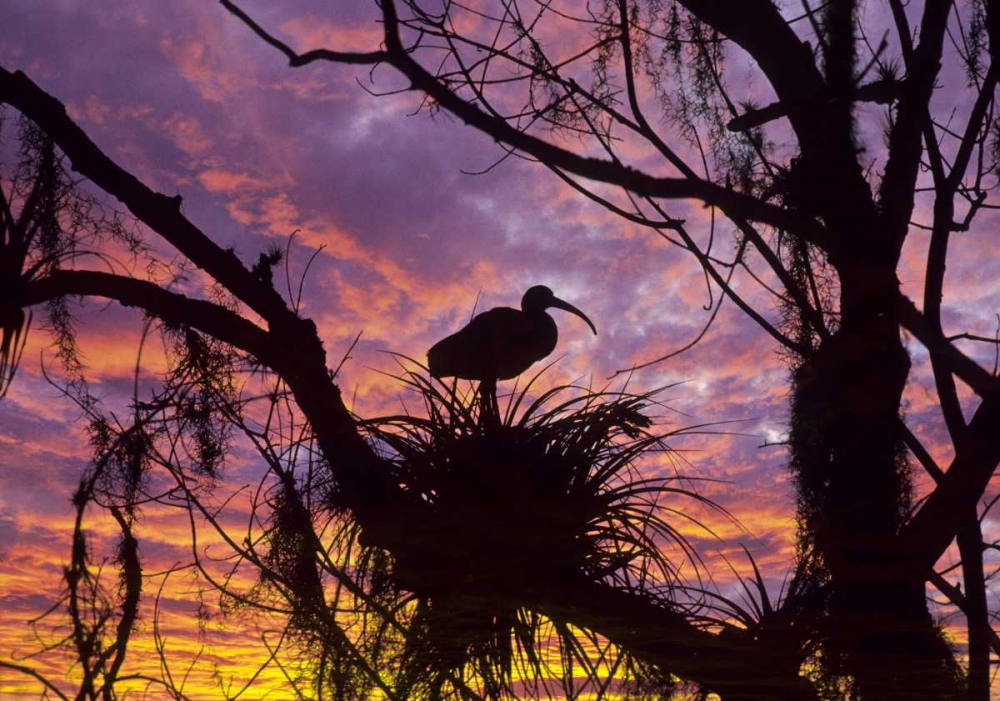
854, 492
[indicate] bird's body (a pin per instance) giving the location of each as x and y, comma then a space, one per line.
501, 343
476, 353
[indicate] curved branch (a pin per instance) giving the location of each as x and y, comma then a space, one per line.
928, 535
902, 166
881, 92
28, 671
132, 580
171, 307
296, 60
967, 369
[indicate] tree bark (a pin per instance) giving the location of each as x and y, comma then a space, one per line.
854, 495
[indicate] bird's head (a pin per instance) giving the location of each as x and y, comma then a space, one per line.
540, 298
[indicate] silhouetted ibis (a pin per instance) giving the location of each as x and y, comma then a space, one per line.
501, 343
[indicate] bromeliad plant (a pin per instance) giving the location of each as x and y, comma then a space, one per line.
544, 488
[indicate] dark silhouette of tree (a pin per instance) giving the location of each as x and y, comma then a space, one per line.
818, 210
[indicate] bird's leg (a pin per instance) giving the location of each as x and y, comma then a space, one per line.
489, 410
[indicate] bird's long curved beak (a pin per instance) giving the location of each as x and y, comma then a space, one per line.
566, 306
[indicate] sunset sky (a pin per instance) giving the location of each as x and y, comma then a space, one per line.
186, 98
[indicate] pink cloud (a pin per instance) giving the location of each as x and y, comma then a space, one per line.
188, 133
311, 32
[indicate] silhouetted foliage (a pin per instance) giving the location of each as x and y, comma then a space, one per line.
394, 553
46, 222
551, 491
